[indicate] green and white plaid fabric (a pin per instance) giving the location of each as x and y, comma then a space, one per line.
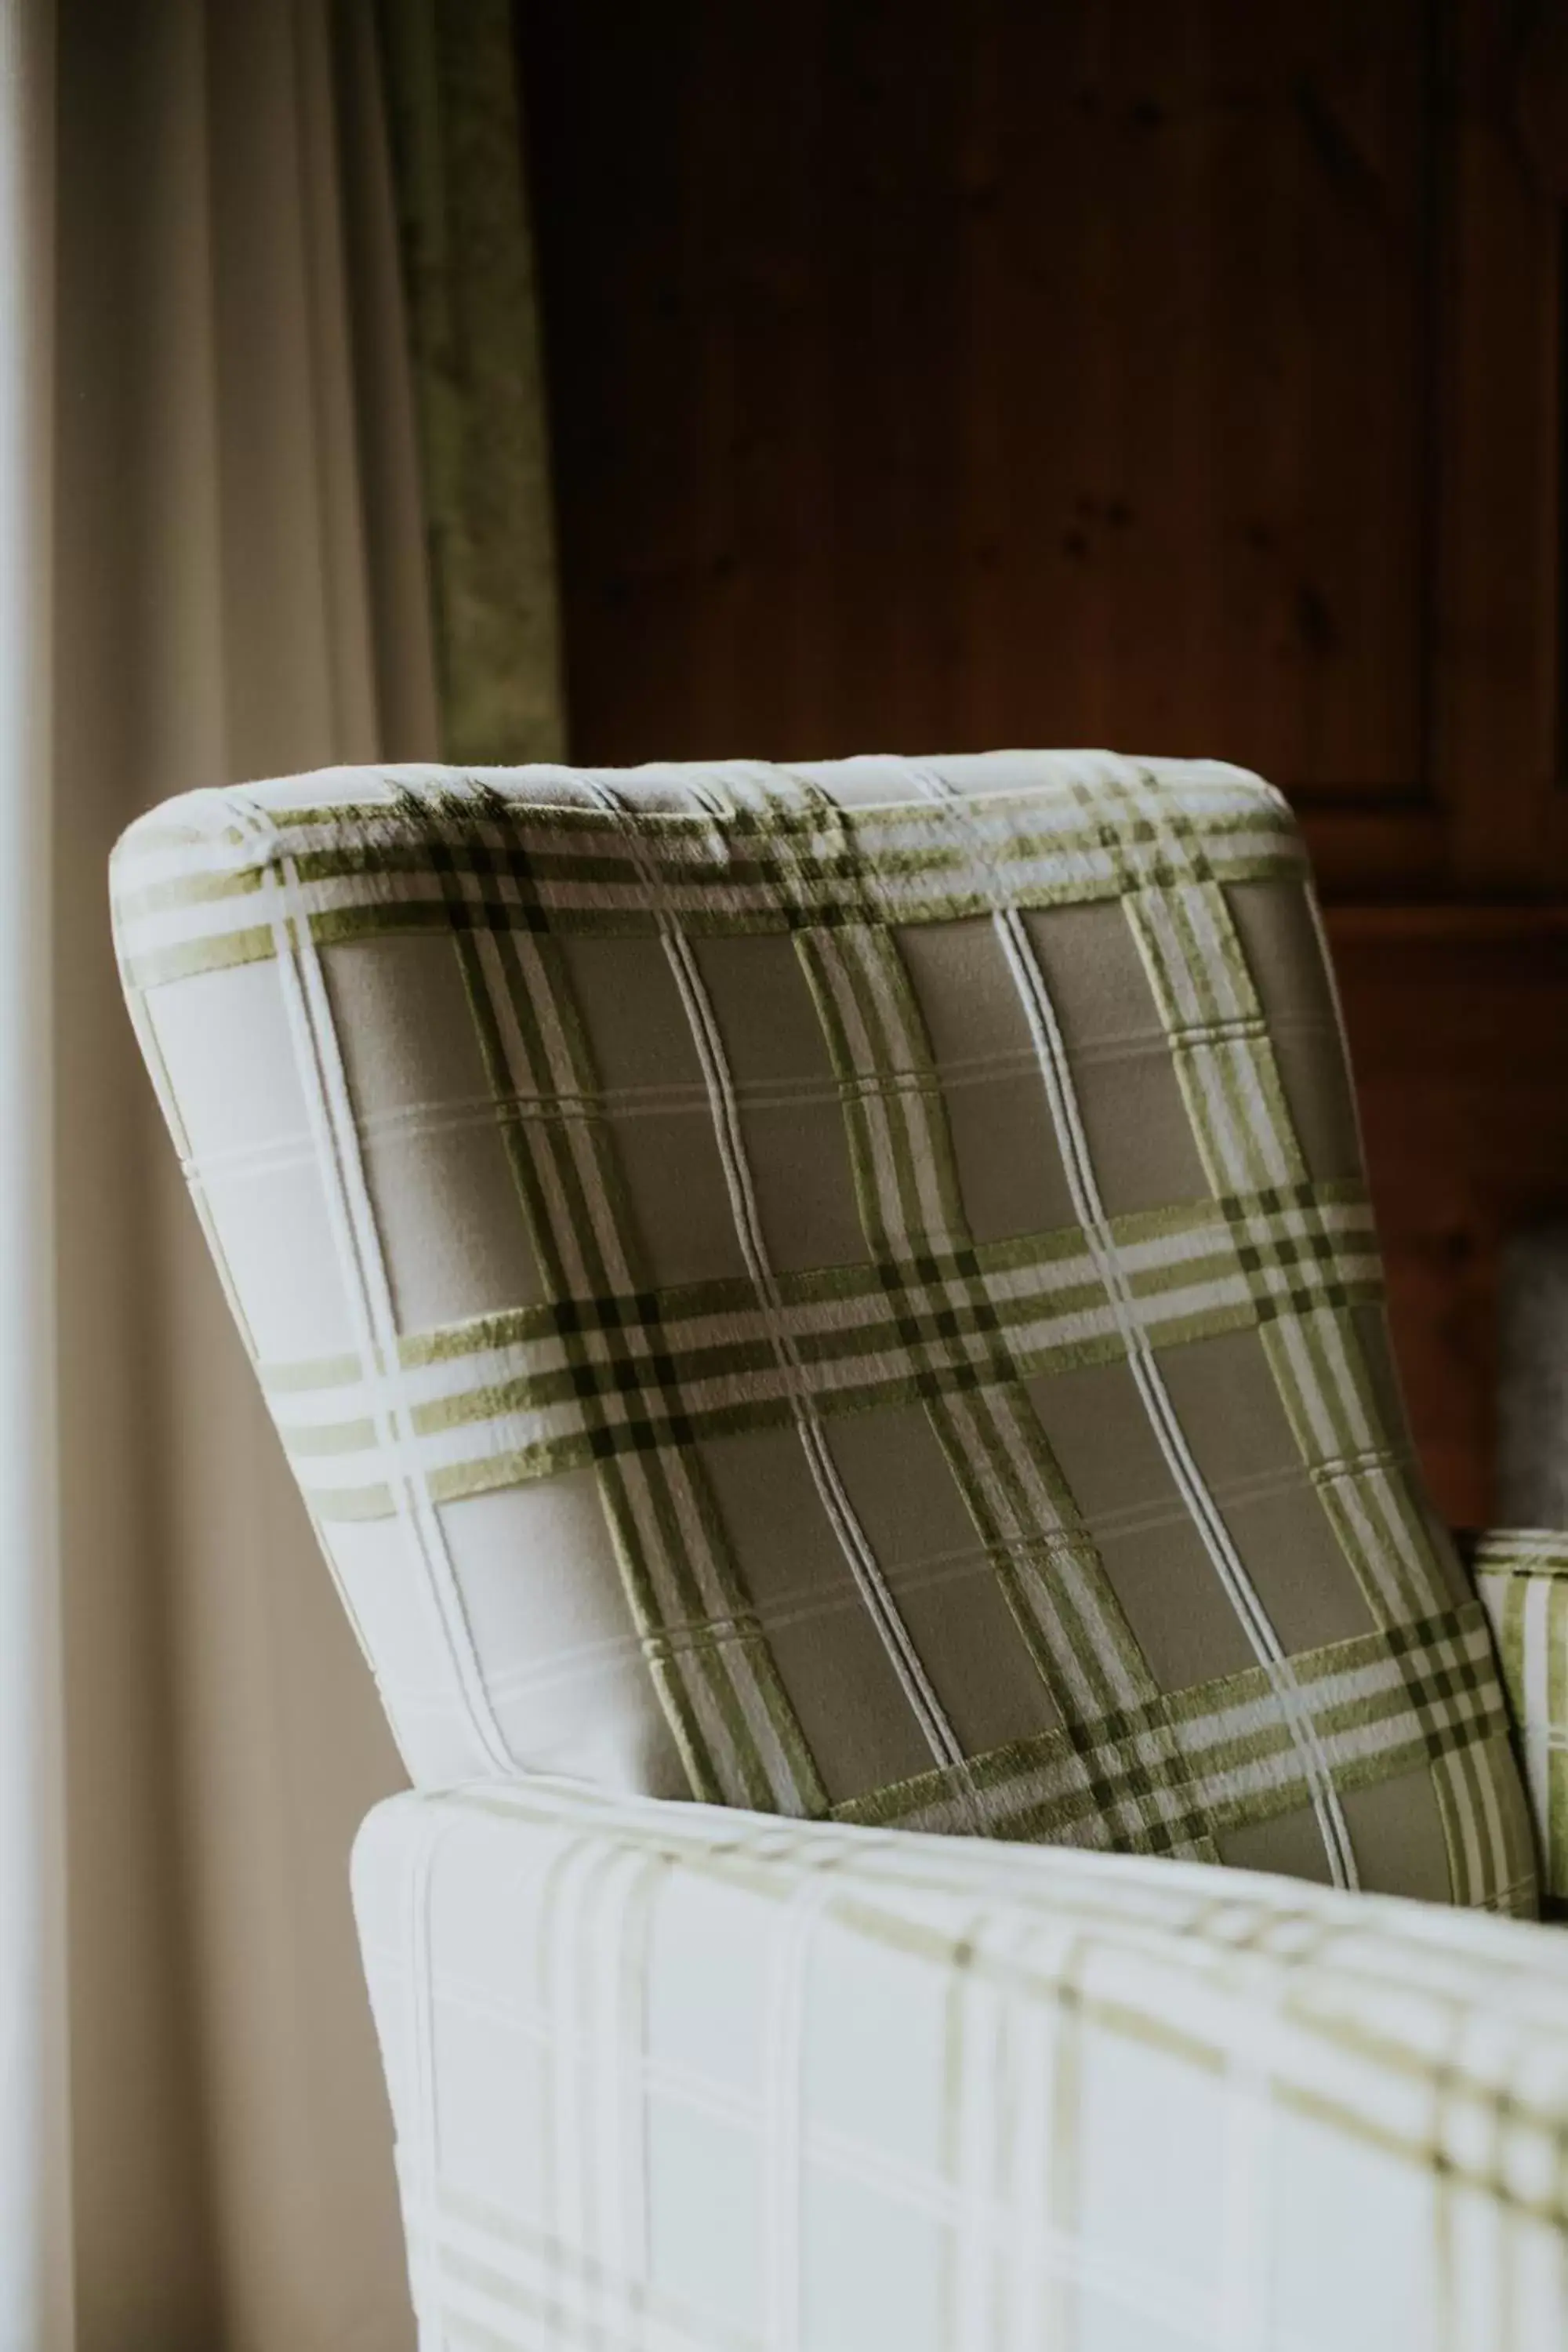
1522, 1574
845, 1290
689, 2081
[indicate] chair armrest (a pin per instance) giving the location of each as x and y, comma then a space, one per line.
1522, 1575
693, 2078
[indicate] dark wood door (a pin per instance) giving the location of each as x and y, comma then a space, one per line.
1181, 375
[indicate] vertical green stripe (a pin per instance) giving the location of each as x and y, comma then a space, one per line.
1223, 1113
575, 1203
1085, 1651
1522, 1578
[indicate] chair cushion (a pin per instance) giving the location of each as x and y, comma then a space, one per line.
1522, 1577
845, 1289
667, 2078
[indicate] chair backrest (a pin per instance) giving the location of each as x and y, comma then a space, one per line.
844, 1289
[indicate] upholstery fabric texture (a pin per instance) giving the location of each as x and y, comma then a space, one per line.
675, 2078
840, 1290
1522, 1574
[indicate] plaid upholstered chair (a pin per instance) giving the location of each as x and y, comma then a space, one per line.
845, 1294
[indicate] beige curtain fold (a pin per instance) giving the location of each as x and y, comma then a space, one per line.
34, 2203
239, 590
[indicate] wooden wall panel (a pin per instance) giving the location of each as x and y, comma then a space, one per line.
984, 370
1181, 375
1457, 1019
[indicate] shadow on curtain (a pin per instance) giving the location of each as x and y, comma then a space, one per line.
248, 580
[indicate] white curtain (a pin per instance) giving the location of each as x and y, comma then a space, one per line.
35, 2282
221, 561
